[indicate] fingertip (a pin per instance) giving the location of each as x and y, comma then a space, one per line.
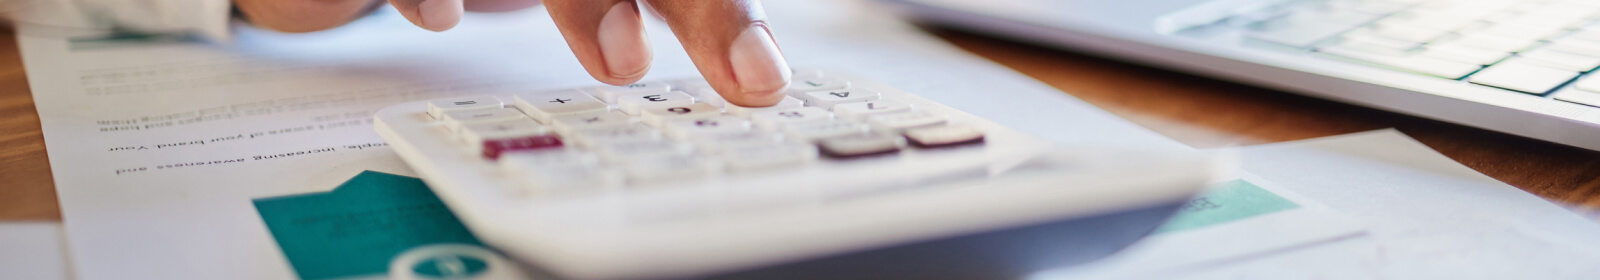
439, 15
763, 98
623, 44
758, 66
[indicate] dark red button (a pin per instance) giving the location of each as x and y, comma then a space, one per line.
493, 148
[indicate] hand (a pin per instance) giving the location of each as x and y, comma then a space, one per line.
728, 40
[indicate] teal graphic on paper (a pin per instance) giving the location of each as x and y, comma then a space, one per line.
366, 224
1226, 202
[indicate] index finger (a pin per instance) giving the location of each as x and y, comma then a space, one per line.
732, 46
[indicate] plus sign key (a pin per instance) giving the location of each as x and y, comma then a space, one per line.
546, 106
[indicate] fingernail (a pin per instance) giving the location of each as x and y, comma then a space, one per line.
622, 42
439, 15
757, 65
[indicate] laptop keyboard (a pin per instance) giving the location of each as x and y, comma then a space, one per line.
1536, 47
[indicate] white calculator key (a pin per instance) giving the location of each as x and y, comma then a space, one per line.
437, 108
802, 85
657, 116
665, 169
1521, 75
789, 102
474, 134
455, 119
767, 157
777, 119
827, 99
945, 135
523, 161
707, 96
691, 83
592, 137
900, 121
546, 106
803, 73
626, 151
684, 129
566, 178
609, 94
827, 129
634, 103
860, 110
607, 119
852, 146
716, 143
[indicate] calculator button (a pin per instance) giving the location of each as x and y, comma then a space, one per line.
657, 116
827, 99
776, 119
716, 143
609, 94
707, 96
566, 178
690, 84
789, 102
492, 149
810, 132
663, 169
603, 120
455, 119
946, 135
901, 121
437, 108
625, 151
767, 157
802, 85
530, 160
860, 110
803, 74
684, 129
593, 137
478, 132
634, 103
861, 145
546, 106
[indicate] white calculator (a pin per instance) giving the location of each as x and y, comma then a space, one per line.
666, 180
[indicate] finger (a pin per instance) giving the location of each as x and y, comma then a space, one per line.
732, 46
436, 15
607, 36
303, 15
497, 5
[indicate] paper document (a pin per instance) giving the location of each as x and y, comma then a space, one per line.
32, 250
1235, 218
1426, 217
159, 145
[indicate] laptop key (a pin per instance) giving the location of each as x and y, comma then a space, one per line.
1415, 63
1521, 75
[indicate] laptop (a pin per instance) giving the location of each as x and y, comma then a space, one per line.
1522, 67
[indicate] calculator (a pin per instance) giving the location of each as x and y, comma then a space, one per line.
665, 179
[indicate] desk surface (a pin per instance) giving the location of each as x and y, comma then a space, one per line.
1198, 111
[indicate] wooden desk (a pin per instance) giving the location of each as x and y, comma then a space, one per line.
1198, 111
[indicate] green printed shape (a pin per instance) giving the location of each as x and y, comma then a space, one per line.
450, 267
359, 227
1226, 202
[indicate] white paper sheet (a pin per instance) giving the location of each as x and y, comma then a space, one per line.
32, 250
1241, 236
1428, 217
158, 147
